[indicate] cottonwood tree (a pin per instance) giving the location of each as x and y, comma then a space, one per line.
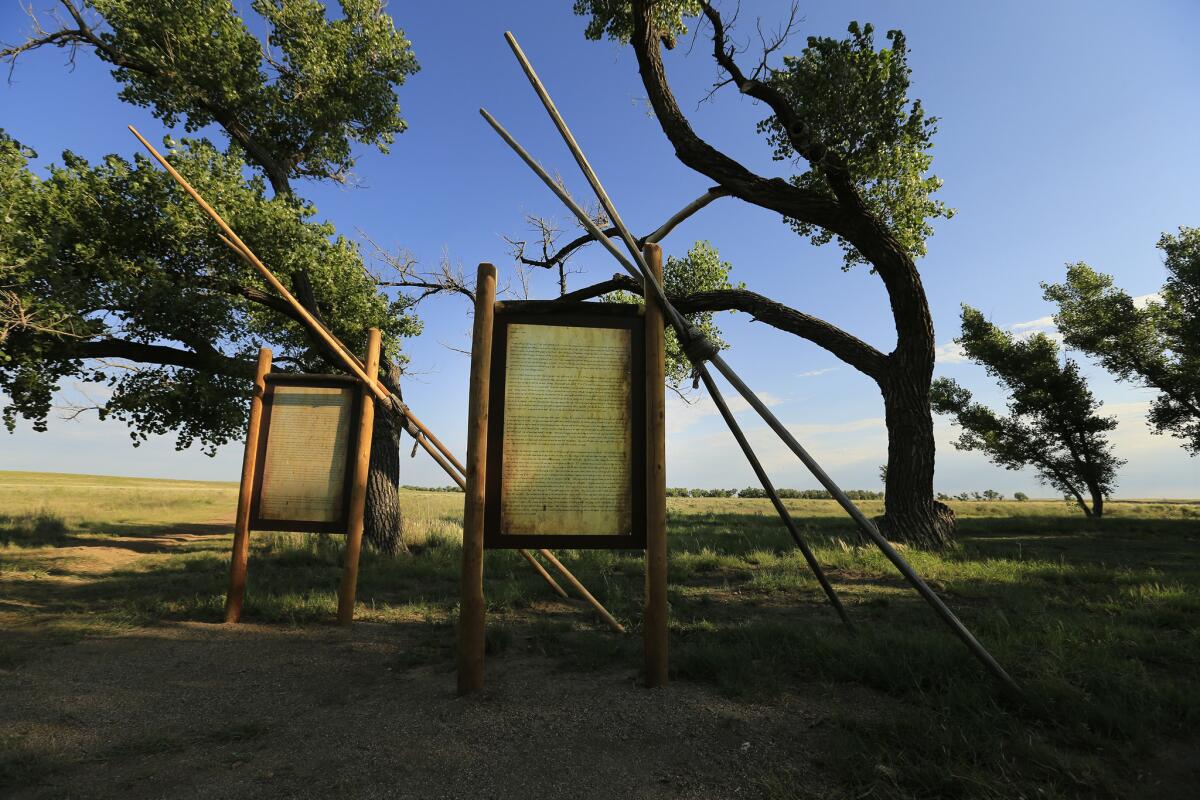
1052, 423
156, 309
1155, 344
840, 113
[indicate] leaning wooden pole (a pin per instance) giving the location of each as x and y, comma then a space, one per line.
470, 607
358, 487
241, 526
330, 341
438, 451
608, 618
655, 615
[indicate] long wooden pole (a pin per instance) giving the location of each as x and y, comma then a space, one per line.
655, 620
248, 256
471, 609
329, 339
579, 587
444, 458
241, 525
358, 487
533, 562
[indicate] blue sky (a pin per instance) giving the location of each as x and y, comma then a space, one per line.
1067, 133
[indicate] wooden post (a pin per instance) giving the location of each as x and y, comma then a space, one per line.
358, 486
655, 622
471, 610
241, 525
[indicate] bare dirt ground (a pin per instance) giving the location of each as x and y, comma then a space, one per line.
198, 710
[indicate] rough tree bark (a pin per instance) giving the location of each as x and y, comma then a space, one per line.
383, 524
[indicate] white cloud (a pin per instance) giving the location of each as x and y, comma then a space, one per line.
1041, 324
682, 415
950, 353
812, 373
1143, 300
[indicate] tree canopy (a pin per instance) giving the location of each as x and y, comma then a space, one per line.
701, 270
142, 296
1155, 343
1052, 423
295, 104
854, 99
133, 271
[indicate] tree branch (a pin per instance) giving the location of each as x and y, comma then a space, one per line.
657, 235
848, 348
213, 361
775, 194
800, 136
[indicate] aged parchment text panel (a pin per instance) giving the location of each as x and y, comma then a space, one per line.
567, 431
304, 475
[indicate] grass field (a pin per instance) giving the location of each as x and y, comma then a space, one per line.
1099, 623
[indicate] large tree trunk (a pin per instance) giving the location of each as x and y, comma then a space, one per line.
383, 525
911, 515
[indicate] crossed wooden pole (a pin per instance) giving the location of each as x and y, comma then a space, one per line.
700, 351
367, 373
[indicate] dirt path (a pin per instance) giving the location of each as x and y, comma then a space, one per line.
196, 710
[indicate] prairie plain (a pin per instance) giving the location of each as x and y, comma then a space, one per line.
118, 680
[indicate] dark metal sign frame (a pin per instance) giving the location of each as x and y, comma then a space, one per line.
586, 315
342, 523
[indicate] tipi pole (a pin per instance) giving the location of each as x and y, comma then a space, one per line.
705, 351
444, 458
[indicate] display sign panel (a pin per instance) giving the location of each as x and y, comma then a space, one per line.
303, 464
566, 431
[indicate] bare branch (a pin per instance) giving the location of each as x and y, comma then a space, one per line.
657, 235
18, 314
449, 278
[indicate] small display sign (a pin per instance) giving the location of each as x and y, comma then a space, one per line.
304, 450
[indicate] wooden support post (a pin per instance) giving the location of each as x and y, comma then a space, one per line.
241, 525
358, 486
655, 622
470, 608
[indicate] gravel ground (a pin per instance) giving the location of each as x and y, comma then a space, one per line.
196, 710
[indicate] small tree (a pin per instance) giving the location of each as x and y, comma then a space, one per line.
1020, 497
1052, 424
1156, 344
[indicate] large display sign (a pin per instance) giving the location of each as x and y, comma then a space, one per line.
566, 427
304, 452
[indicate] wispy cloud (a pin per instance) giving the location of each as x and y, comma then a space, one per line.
1041, 324
812, 373
682, 415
